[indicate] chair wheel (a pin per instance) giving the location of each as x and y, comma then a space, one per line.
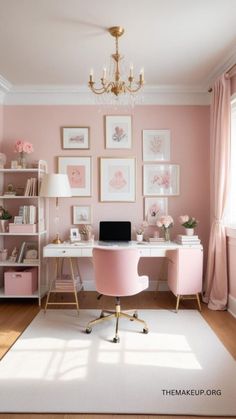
135, 315
145, 331
88, 330
101, 315
116, 340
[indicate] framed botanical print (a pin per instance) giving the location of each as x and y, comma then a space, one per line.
117, 180
74, 138
155, 208
118, 131
78, 170
82, 214
160, 179
156, 145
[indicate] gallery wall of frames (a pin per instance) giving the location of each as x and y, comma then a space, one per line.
123, 164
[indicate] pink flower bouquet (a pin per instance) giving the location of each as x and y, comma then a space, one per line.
23, 147
165, 221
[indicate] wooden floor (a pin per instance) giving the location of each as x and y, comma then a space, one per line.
16, 315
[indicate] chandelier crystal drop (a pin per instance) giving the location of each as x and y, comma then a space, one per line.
115, 85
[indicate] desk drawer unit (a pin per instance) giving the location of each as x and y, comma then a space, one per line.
62, 253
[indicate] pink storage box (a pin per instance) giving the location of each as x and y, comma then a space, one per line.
22, 228
21, 282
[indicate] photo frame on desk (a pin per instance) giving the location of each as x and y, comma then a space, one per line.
75, 138
118, 131
117, 179
78, 170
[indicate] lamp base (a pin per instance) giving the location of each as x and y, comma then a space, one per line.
57, 240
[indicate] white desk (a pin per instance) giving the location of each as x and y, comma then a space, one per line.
85, 250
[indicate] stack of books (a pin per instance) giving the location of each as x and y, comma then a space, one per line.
31, 187
188, 240
28, 214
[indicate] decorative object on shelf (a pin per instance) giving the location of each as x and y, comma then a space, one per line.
5, 216
160, 179
10, 190
156, 145
189, 223
78, 170
86, 232
117, 179
13, 256
118, 131
23, 148
82, 214
3, 255
113, 83
14, 164
140, 231
55, 185
74, 138
165, 223
3, 160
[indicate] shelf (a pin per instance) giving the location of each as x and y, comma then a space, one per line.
16, 265
23, 234
29, 170
3, 295
18, 197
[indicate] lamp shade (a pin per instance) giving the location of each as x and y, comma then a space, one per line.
55, 185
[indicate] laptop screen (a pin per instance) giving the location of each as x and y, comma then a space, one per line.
115, 231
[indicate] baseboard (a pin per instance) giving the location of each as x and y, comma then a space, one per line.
89, 285
232, 305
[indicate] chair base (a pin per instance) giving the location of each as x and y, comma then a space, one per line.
109, 314
188, 297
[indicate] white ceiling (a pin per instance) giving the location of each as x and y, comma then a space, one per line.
56, 42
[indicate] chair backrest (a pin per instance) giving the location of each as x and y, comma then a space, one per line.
116, 271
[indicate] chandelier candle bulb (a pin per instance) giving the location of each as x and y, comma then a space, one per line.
91, 75
104, 73
131, 70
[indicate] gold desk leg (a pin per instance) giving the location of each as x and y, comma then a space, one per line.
199, 303
74, 284
51, 284
177, 303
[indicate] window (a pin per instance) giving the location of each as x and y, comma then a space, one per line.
231, 209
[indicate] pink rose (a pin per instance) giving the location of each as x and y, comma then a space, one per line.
28, 148
18, 148
183, 219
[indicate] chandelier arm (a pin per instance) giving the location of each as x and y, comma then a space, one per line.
133, 90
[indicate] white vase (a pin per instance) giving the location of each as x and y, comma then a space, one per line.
189, 231
139, 237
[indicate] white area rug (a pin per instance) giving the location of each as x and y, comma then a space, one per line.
180, 367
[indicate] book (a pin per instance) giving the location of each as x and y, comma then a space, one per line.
188, 238
21, 252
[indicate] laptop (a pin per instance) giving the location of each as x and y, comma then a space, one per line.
114, 233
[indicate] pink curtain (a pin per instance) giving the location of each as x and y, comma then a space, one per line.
216, 282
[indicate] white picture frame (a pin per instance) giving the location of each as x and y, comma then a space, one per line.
161, 179
74, 235
117, 179
78, 170
82, 214
156, 145
154, 208
118, 131
75, 138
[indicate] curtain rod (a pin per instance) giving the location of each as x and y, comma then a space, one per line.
228, 74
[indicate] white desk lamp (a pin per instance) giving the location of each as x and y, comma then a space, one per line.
55, 186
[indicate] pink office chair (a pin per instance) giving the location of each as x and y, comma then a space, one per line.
185, 274
116, 275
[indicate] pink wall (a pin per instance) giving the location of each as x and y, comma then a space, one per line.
189, 127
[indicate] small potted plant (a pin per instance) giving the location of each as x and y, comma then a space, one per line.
165, 222
5, 216
140, 231
189, 223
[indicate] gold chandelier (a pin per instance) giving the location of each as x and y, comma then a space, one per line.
116, 85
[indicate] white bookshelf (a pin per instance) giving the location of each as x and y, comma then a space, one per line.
12, 203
